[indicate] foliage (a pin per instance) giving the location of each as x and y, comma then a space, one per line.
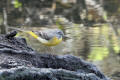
17, 4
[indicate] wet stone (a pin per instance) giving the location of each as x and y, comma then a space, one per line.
18, 61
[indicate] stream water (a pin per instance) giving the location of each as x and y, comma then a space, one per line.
98, 45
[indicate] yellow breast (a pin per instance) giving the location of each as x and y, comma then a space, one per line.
53, 42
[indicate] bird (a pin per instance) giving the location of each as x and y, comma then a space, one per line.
46, 36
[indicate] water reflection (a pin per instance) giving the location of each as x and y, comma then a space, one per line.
96, 44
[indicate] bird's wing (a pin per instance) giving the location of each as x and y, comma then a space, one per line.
43, 35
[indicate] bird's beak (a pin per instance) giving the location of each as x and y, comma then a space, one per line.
65, 37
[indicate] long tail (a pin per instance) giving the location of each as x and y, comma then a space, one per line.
34, 35
17, 29
25, 31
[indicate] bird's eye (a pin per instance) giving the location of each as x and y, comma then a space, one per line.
59, 32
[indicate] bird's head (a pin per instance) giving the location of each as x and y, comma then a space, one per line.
59, 34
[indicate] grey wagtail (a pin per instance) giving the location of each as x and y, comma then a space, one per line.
48, 37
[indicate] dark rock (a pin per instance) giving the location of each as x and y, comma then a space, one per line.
11, 34
20, 62
26, 73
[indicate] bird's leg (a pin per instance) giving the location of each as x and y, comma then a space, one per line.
49, 50
52, 50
